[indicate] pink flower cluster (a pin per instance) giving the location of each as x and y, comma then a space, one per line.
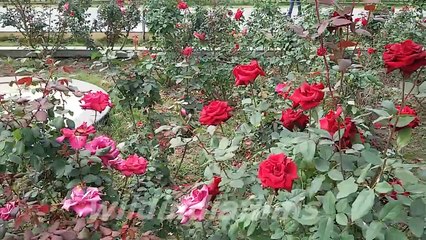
194, 205
83, 201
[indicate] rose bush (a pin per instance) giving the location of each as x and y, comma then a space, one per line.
187, 173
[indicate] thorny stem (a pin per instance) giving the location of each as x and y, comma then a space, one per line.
253, 95
392, 131
327, 67
181, 160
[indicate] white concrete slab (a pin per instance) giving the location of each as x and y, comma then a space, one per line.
72, 102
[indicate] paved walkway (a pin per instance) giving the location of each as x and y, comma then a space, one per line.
93, 12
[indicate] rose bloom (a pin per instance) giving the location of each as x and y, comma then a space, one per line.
7, 210
371, 51
321, 51
83, 201
194, 205
97, 101
291, 118
308, 96
101, 142
215, 113
364, 21
246, 74
66, 7
278, 172
213, 187
76, 137
331, 123
187, 51
406, 56
410, 112
133, 165
238, 14
200, 36
283, 89
182, 5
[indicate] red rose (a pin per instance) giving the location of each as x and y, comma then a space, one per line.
410, 112
322, 51
215, 113
371, 51
187, 51
201, 36
364, 21
246, 74
406, 56
132, 165
182, 5
97, 101
278, 172
357, 20
214, 187
308, 96
291, 118
332, 124
238, 14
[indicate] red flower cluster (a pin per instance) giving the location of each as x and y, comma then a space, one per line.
246, 74
182, 5
410, 112
406, 56
332, 123
215, 113
291, 118
97, 101
187, 51
371, 51
308, 96
321, 51
238, 14
278, 172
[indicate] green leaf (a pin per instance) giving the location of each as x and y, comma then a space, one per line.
395, 234
416, 225
342, 206
389, 106
403, 120
406, 176
363, 174
58, 122
417, 208
371, 156
383, 187
90, 178
256, 119
342, 219
308, 216
325, 228
223, 144
17, 134
362, 204
346, 187
315, 185
329, 203
373, 230
321, 164
19, 148
237, 183
279, 233
404, 136
335, 175
307, 149
390, 211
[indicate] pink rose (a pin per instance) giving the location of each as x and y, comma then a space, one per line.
103, 142
97, 101
83, 201
76, 137
6, 212
194, 205
66, 7
133, 165
238, 14
200, 36
283, 89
